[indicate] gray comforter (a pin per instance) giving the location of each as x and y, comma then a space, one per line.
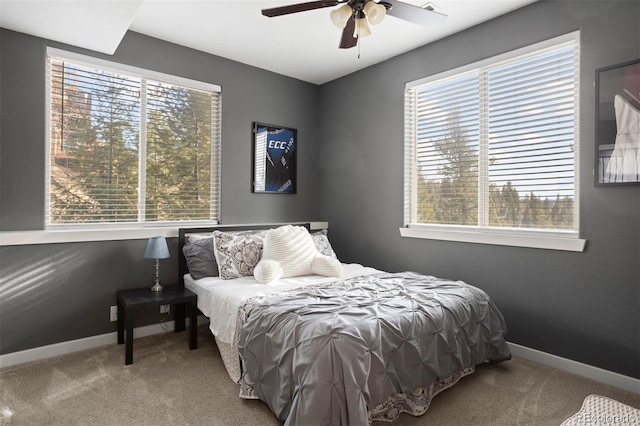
366, 348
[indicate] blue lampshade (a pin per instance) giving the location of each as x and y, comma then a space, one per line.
157, 248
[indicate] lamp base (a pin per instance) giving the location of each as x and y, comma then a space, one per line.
156, 277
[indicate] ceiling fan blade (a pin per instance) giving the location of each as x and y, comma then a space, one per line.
415, 14
300, 7
348, 40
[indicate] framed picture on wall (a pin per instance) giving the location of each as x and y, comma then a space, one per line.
618, 124
274, 159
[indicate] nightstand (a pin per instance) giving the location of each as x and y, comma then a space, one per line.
132, 300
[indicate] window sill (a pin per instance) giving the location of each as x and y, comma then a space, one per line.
20, 238
541, 241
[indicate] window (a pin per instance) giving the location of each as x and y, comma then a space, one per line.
493, 147
129, 146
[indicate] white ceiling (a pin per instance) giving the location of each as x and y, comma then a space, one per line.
302, 45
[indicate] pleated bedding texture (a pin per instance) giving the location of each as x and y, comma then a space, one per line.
366, 348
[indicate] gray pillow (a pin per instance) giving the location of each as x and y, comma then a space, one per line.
201, 260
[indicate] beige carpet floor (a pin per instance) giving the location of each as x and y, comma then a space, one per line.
170, 385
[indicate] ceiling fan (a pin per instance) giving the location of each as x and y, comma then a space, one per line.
354, 16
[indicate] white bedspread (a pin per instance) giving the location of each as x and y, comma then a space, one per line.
220, 299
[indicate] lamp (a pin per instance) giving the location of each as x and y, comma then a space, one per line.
375, 12
157, 249
362, 27
341, 15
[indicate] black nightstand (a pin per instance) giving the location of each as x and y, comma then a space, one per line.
129, 301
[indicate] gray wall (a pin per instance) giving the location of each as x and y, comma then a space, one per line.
582, 306
58, 292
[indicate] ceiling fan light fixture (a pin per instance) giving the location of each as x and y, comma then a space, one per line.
341, 15
375, 12
354, 16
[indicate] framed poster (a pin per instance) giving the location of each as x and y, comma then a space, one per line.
618, 124
274, 159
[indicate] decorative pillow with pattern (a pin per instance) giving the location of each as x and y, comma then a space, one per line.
321, 241
237, 254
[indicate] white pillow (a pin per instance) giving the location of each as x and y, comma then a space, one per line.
289, 251
195, 237
327, 266
267, 271
292, 247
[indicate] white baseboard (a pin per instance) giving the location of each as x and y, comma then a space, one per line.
609, 377
617, 380
63, 348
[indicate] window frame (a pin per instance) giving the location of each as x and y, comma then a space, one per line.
143, 74
519, 237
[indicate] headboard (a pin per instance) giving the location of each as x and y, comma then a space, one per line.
183, 235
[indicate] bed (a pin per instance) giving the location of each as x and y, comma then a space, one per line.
350, 346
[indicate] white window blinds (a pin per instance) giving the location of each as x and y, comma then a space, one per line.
126, 147
495, 145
